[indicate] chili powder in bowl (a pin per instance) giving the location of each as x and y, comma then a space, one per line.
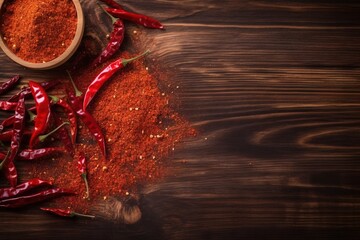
40, 34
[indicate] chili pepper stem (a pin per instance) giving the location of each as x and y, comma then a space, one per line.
82, 215
55, 99
44, 136
113, 19
84, 176
78, 93
126, 61
31, 115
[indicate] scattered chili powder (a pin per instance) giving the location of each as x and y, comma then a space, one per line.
37, 30
141, 129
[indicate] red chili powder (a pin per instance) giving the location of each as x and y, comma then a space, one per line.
36, 30
140, 128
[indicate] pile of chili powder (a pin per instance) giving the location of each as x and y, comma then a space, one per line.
140, 127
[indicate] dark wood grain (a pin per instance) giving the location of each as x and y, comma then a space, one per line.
274, 89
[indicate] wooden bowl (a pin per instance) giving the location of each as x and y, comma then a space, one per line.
60, 59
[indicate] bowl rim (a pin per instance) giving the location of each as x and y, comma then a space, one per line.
60, 59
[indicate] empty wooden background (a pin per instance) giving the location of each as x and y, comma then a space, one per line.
273, 87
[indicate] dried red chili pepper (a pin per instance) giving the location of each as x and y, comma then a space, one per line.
112, 3
6, 86
34, 198
63, 135
105, 75
76, 101
23, 188
140, 19
7, 106
88, 120
7, 122
66, 212
81, 164
94, 128
11, 173
42, 104
115, 41
70, 114
10, 120
6, 136
27, 91
32, 154
7, 164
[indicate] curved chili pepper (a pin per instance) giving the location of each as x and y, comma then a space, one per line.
71, 116
105, 75
81, 164
116, 38
32, 154
94, 128
63, 135
7, 106
34, 198
115, 41
136, 18
88, 120
42, 104
112, 3
6, 86
10, 170
76, 98
27, 91
66, 212
23, 188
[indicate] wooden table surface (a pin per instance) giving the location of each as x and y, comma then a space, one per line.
273, 88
